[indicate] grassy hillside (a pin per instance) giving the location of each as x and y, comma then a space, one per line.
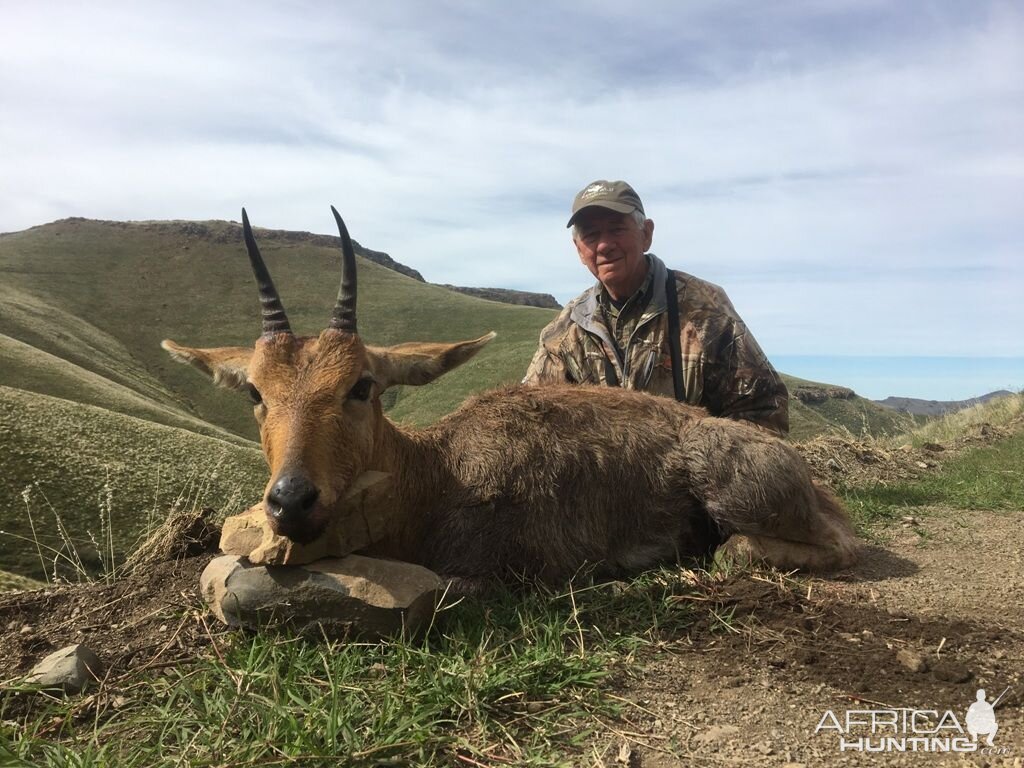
1007, 409
103, 294
44, 324
840, 410
83, 308
139, 283
25, 367
82, 462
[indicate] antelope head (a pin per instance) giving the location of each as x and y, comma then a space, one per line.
317, 398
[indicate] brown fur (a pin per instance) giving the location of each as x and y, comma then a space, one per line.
527, 481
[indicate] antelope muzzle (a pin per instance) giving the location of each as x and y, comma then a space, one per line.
292, 508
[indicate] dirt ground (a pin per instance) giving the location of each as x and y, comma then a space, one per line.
926, 619
147, 621
752, 690
747, 685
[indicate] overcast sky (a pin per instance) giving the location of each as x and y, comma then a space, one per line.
852, 172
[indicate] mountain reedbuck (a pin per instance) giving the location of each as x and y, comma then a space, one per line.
541, 482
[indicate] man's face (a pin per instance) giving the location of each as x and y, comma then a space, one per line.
612, 246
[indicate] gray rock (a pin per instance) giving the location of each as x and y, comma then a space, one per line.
349, 595
70, 669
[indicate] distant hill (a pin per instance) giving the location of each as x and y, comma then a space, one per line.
101, 295
816, 408
919, 407
193, 231
503, 295
213, 231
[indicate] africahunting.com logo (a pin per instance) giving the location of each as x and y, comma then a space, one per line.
904, 729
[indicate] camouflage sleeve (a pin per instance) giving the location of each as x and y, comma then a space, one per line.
747, 387
547, 366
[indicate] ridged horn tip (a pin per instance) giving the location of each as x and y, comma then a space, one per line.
343, 316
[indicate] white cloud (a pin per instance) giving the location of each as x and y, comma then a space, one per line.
852, 173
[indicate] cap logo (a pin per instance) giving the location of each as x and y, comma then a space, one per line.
594, 190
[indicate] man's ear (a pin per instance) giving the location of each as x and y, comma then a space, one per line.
418, 363
648, 234
227, 366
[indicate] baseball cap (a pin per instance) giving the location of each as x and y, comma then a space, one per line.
616, 196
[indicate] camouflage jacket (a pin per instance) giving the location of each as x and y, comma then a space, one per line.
724, 369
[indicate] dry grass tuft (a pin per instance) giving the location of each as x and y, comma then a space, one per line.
844, 459
1001, 416
184, 533
858, 461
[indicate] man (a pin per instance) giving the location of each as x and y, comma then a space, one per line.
617, 332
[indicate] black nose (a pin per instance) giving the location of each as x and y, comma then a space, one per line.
291, 498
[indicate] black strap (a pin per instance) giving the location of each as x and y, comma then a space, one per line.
673, 336
611, 378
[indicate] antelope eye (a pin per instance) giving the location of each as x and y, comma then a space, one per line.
361, 390
254, 394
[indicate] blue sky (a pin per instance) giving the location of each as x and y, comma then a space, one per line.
852, 172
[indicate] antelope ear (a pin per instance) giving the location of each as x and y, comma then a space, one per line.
418, 363
227, 366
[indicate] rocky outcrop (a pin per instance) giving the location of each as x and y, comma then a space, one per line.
225, 232
813, 395
264, 579
508, 296
333, 241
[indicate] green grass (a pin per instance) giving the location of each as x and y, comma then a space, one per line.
984, 478
519, 679
74, 459
31, 369
62, 335
856, 416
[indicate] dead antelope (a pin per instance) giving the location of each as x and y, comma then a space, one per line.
530, 481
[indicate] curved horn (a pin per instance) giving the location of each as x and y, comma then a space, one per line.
274, 318
343, 316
